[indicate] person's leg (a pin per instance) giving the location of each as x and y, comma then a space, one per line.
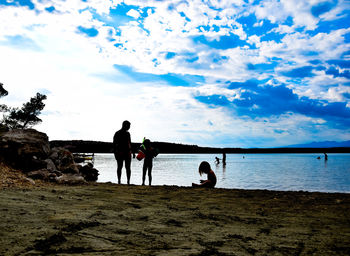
128, 168
119, 168
150, 173
144, 170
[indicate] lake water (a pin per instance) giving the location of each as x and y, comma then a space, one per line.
249, 171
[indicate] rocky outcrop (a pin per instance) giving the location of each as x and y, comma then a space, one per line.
29, 151
25, 149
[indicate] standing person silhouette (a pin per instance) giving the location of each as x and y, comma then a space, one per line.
150, 153
122, 150
325, 156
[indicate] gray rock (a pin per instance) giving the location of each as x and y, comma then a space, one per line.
32, 163
50, 165
72, 168
89, 172
71, 179
28, 141
24, 148
29, 151
29, 180
42, 174
63, 160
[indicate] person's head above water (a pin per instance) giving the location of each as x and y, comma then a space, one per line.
204, 167
126, 125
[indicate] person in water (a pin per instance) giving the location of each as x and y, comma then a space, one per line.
210, 182
325, 156
150, 153
122, 150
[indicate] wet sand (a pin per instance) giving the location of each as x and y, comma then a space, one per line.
110, 219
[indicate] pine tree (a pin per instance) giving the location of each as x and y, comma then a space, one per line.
27, 116
3, 92
3, 108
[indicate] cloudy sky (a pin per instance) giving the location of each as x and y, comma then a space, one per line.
229, 73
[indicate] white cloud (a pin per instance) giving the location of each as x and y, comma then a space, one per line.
279, 11
133, 13
272, 10
337, 11
336, 94
254, 39
69, 65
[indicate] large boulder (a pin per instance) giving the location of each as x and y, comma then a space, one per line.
63, 160
89, 172
25, 148
29, 151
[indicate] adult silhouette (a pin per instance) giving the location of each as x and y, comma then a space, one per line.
224, 158
122, 150
325, 156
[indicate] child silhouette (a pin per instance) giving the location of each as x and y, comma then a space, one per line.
204, 167
150, 153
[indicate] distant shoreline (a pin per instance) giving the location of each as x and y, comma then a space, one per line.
83, 146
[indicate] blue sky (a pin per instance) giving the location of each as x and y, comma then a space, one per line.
238, 73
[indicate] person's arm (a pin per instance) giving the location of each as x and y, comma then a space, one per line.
115, 141
129, 142
204, 183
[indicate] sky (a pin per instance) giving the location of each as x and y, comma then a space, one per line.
229, 73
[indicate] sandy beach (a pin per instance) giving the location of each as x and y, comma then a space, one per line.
110, 219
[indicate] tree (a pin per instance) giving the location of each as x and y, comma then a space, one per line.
27, 116
3, 108
3, 93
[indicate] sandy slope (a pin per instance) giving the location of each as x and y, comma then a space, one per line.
109, 219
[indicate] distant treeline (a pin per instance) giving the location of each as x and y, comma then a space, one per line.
83, 146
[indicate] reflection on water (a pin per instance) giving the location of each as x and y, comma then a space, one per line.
249, 171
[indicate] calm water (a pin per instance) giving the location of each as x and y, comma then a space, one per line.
249, 171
